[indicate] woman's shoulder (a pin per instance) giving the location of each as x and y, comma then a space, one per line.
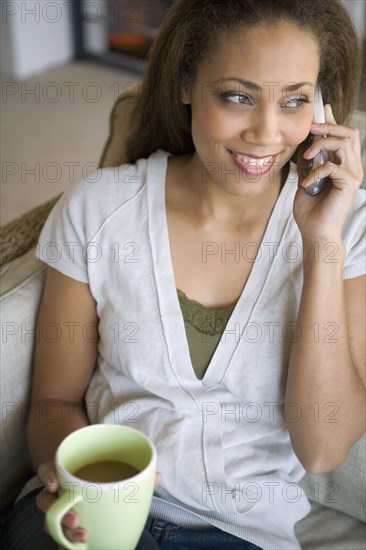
88, 203
113, 185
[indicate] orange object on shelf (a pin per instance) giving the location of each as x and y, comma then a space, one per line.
129, 43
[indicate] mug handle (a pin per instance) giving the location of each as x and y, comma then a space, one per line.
54, 517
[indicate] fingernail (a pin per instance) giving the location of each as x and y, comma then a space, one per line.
315, 124
80, 536
51, 482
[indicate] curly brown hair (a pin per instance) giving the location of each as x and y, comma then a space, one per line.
189, 33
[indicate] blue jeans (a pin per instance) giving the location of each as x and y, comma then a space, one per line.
23, 530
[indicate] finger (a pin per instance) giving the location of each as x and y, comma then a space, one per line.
348, 139
158, 478
73, 535
330, 144
76, 535
328, 169
326, 129
44, 470
44, 500
71, 520
47, 475
341, 178
331, 128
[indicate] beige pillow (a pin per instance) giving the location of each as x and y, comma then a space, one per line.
21, 291
343, 489
114, 153
358, 120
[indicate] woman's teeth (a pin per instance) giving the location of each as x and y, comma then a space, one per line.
251, 161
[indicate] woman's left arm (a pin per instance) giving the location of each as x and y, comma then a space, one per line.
326, 376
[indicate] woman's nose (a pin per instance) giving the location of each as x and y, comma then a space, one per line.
264, 128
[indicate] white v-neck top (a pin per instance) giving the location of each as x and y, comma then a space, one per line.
223, 446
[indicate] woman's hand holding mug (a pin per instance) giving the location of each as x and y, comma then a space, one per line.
71, 521
109, 512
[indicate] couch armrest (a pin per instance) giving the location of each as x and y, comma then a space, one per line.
22, 287
21, 234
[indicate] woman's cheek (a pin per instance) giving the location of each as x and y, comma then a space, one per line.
300, 130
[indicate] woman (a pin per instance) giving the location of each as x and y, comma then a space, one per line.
229, 301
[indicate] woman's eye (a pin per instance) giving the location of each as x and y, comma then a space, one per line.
240, 99
294, 102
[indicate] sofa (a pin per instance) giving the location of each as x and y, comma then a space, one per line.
337, 519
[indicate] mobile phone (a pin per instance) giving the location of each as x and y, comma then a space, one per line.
321, 157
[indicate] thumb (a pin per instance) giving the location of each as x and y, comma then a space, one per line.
47, 474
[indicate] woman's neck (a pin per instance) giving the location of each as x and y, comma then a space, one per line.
213, 204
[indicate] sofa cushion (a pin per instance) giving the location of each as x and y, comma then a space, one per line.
358, 120
326, 529
344, 489
21, 290
114, 153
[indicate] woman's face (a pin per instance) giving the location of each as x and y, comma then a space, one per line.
252, 105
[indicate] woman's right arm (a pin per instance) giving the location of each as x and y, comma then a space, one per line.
64, 361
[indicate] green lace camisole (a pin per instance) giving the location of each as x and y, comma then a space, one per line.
204, 328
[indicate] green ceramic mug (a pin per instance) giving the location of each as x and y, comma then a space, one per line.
107, 475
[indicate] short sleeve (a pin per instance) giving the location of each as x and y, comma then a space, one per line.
354, 238
68, 241
63, 242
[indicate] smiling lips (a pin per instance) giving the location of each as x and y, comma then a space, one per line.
253, 165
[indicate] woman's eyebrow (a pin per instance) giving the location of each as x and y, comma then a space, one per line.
296, 86
253, 86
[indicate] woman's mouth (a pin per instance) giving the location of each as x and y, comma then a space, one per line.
253, 165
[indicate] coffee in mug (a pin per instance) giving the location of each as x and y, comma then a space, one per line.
106, 470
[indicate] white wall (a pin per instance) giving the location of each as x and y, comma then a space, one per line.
95, 25
36, 35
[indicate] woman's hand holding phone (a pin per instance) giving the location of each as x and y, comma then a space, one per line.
321, 217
